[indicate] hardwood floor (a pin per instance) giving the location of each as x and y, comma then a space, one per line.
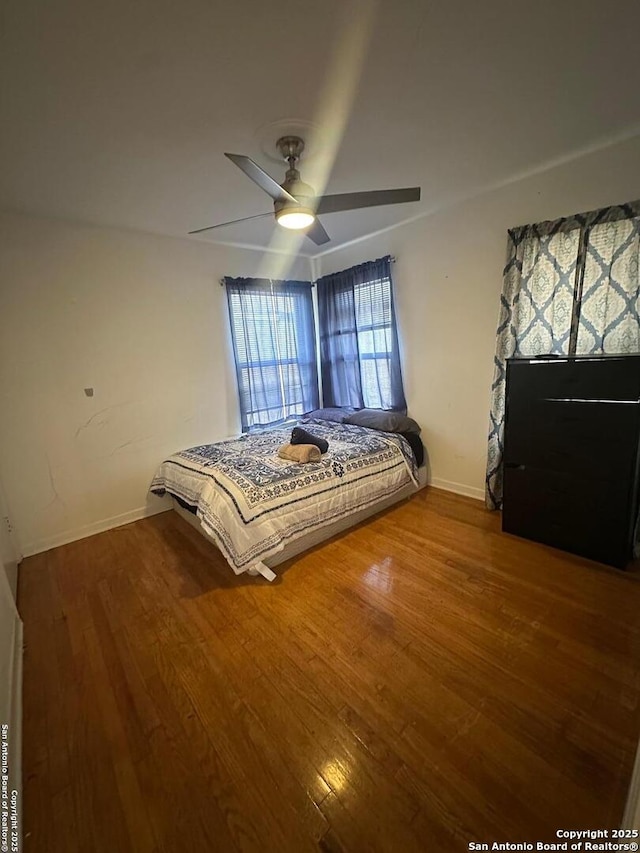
421, 682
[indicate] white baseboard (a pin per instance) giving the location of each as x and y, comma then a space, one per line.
458, 488
47, 543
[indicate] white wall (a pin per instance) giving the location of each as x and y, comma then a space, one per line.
139, 318
142, 320
448, 279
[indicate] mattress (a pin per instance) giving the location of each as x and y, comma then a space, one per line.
253, 504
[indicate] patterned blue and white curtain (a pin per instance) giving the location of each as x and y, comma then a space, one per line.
569, 286
610, 300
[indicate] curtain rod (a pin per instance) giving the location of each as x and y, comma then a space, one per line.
392, 260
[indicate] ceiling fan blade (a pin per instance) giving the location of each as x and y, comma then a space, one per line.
373, 198
317, 233
260, 177
231, 222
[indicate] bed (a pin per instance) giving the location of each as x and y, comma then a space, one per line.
261, 510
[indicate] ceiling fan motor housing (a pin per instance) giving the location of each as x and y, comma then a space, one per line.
302, 192
290, 147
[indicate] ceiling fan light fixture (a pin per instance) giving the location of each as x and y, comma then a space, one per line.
295, 218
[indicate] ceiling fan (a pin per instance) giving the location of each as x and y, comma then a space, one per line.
295, 203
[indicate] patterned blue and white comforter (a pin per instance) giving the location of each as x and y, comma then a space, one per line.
253, 503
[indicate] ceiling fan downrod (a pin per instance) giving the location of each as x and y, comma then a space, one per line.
291, 147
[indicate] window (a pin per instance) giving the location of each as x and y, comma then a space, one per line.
358, 337
274, 349
375, 333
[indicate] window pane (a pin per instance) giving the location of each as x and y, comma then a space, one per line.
358, 337
376, 383
373, 319
274, 348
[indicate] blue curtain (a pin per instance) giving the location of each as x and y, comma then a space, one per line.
359, 350
570, 286
274, 348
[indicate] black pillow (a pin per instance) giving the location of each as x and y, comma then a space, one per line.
301, 436
415, 442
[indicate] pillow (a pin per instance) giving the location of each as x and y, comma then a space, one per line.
331, 413
415, 443
384, 421
301, 436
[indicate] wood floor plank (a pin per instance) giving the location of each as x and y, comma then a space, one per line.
419, 682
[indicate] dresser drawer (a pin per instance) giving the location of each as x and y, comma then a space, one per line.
587, 439
577, 514
598, 378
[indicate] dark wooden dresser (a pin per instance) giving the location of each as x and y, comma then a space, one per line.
571, 453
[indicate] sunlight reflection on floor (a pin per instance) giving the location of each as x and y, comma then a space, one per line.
380, 576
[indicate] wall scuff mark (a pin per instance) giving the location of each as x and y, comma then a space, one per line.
56, 497
97, 414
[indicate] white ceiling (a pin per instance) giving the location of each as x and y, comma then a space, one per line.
119, 112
